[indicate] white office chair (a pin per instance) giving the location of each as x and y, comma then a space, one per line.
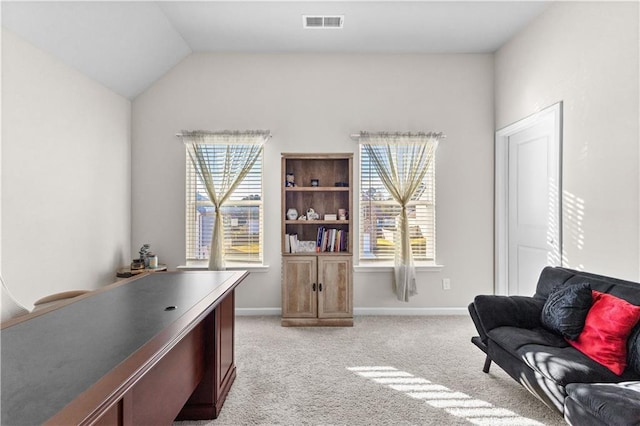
11, 308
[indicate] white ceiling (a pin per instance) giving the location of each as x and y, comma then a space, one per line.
127, 46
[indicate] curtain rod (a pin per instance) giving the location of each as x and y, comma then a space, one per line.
225, 133
440, 135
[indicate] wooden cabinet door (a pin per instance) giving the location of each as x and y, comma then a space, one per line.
299, 295
334, 287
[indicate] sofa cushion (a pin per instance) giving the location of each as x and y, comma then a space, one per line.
606, 330
515, 311
566, 309
611, 404
627, 290
551, 278
552, 357
512, 338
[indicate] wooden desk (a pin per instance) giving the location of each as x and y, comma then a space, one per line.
116, 356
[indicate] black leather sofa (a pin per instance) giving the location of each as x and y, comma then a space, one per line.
512, 335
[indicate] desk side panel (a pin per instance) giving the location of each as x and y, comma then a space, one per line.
163, 391
226, 344
208, 398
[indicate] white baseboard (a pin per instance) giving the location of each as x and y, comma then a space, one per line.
254, 312
365, 311
410, 311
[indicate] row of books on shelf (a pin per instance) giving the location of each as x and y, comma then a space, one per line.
328, 240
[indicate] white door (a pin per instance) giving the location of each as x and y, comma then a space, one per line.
528, 208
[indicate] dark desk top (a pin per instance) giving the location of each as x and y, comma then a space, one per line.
48, 360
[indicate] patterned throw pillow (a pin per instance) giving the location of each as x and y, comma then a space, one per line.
566, 309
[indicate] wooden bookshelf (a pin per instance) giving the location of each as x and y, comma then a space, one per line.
317, 284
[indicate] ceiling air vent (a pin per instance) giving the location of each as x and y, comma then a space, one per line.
324, 22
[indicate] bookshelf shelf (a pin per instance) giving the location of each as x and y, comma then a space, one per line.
317, 189
316, 222
317, 254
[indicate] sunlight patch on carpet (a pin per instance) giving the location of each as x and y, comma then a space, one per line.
372, 374
457, 404
401, 380
437, 396
372, 369
416, 388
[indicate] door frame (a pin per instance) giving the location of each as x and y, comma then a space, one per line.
501, 225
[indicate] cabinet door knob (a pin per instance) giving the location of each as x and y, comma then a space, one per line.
313, 287
320, 287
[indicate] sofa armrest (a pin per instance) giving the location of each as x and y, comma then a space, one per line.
490, 312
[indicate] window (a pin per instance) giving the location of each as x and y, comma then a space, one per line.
379, 212
243, 213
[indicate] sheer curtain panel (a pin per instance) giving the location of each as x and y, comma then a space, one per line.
401, 161
232, 164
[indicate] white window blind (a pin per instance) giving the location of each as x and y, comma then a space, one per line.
379, 213
243, 213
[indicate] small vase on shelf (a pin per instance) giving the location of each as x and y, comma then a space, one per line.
292, 214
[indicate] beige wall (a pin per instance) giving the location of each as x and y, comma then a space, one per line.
312, 103
586, 55
65, 176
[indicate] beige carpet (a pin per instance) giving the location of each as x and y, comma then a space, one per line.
383, 371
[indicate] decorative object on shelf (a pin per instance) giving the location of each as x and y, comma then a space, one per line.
137, 264
147, 259
330, 216
292, 214
290, 180
312, 215
306, 246
315, 182
145, 250
342, 184
153, 261
342, 214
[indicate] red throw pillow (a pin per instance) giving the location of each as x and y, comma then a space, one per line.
606, 330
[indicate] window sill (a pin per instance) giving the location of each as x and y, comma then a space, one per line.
388, 266
230, 266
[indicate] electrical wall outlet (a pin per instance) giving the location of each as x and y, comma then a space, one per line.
446, 284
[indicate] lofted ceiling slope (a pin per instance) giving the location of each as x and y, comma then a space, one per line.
126, 46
